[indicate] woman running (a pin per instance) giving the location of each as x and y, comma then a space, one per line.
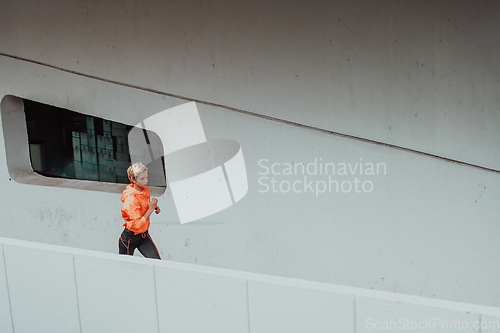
136, 209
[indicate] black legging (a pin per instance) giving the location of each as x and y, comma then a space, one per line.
128, 242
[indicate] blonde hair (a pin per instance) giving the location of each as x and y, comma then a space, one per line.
135, 169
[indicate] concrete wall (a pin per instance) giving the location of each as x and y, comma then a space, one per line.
46, 288
417, 75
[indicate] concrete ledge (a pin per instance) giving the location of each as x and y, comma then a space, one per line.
285, 308
380, 314
489, 324
190, 301
115, 296
60, 289
42, 289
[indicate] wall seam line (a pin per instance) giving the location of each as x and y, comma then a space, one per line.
254, 114
77, 298
156, 299
354, 305
8, 289
248, 307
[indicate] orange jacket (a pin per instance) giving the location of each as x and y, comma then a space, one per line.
135, 205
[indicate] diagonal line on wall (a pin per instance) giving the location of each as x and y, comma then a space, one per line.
254, 114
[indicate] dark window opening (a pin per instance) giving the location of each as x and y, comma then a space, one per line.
68, 144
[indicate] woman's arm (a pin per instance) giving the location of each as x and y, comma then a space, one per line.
152, 207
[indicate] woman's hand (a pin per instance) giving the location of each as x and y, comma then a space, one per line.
153, 204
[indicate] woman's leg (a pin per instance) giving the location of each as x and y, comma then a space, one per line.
148, 248
127, 243
124, 246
